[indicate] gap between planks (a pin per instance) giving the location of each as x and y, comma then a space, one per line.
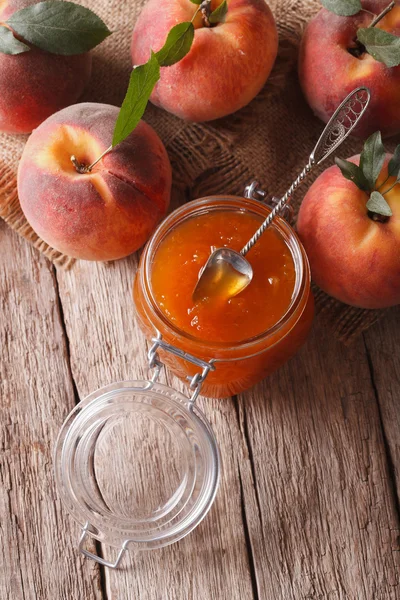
388, 453
60, 312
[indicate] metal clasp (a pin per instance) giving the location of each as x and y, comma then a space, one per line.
196, 381
255, 192
95, 557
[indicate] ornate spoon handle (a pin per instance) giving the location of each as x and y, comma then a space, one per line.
341, 124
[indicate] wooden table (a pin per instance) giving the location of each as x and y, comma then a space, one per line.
308, 506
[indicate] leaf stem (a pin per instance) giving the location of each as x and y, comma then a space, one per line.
391, 187
382, 14
90, 167
368, 11
382, 184
196, 12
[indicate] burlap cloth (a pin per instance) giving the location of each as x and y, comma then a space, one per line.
269, 140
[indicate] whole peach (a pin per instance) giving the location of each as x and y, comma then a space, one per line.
328, 71
35, 84
353, 257
227, 65
102, 215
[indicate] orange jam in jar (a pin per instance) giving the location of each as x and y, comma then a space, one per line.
249, 335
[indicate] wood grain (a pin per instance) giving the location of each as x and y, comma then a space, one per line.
382, 343
38, 557
329, 525
307, 507
303, 459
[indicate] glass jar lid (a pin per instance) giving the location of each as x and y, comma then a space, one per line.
137, 463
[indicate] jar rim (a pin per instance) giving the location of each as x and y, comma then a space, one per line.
202, 205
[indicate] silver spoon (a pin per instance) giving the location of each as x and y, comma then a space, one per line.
227, 272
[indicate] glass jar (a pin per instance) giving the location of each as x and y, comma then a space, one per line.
237, 366
164, 457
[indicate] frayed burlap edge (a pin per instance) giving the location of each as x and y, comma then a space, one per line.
11, 213
345, 322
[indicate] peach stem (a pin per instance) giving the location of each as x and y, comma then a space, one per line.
79, 167
382, 14
82, 168
205, 8
90, 167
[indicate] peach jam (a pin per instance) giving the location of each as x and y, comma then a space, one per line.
247, 336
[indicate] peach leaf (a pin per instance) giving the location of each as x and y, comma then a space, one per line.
9, 44
177, 45
378, 205
394, 164
353, 172
372, 158
62, 28
219, 14
343, 8
381, 45
142, 81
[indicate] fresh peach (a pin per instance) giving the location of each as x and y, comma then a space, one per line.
328, 71
227, 65
353, 257
102, 215
35, 84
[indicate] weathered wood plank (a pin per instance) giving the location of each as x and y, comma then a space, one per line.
383, 346
303, 455
37, 559
329, 522
106, 346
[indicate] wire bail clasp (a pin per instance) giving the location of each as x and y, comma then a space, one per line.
196, 381
102, 561
253, 191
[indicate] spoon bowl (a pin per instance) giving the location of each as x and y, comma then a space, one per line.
226, 274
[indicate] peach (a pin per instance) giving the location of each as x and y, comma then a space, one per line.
352, 257
328, 71
227, 65
36, 84
102, 215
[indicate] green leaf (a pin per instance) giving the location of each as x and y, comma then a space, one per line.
377, 204
142, 81
394, 164
9, 44
353, 173
381, 45
219, 14
196, 1
177, 45
344, 8
59, 27
372, 158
